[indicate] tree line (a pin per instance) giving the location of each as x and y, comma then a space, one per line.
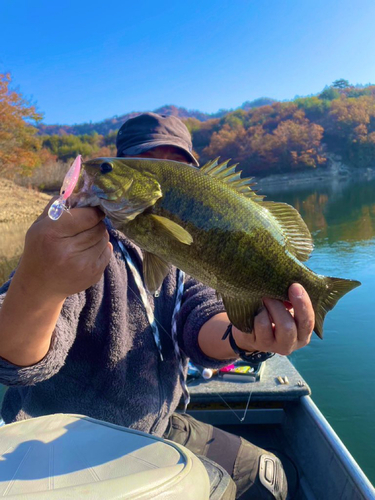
264, 136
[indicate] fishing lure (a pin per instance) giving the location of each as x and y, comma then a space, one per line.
70, 180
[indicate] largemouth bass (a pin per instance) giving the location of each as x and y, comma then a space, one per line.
210, 223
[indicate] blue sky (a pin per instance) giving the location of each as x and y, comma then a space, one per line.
82, 61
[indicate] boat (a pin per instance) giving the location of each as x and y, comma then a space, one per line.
283, 418
74, 456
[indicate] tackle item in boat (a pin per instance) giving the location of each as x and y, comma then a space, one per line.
208, 373
70, 180
226, 368
239, 374
210, 223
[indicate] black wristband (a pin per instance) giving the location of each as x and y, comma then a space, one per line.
253, 358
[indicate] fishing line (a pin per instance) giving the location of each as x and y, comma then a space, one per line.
157, 338
240, 419
247, 406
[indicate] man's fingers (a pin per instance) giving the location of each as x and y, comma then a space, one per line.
89, 238
97, 258
285, 326
75, 221
80, 219
304, 316
105, 256
263, 331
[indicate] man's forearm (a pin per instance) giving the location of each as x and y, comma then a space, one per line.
27, 320
210, 338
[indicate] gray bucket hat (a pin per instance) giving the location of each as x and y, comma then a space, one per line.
149, 130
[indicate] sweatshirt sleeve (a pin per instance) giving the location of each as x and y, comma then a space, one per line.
199, 304
62, 339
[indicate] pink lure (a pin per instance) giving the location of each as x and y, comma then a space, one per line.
228, 368
70, 181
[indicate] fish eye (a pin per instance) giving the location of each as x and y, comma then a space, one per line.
105, 168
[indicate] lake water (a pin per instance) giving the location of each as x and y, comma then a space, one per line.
340, 369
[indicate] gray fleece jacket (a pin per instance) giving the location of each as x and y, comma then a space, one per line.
103, 361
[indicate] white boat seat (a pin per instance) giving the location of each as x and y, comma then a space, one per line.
72, 456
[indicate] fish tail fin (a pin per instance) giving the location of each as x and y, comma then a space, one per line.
335, 289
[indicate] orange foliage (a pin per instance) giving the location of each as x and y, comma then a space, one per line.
19, 146
277, 137
105, 151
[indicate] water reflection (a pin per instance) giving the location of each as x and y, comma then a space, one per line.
333, 212
340, 370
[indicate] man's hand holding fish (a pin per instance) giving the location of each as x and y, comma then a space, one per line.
277, 328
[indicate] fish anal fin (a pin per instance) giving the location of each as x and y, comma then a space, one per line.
241, 313
154, 271
173, 229
297, 235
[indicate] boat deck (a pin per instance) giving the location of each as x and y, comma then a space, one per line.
283, 419
226, 401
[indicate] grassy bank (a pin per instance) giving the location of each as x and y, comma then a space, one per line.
48, 177
18, 203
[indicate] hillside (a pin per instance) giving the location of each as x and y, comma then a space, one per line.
266, 137
109, 125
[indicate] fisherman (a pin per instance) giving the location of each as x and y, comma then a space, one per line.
75, 333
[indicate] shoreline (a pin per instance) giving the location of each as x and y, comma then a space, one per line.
315, 176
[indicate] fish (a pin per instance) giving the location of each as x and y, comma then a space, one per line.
212, 224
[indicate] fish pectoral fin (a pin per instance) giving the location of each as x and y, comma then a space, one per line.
241, 313
296, 233
173, 229
155, 270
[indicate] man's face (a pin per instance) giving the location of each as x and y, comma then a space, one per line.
164, 153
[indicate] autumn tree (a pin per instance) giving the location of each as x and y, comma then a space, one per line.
19, 145
66, 147
350, 130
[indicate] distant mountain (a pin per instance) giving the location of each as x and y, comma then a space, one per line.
257, 103
109, 125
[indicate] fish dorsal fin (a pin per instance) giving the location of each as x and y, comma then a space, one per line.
173, 229
296, 233
233, 179
154, 271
